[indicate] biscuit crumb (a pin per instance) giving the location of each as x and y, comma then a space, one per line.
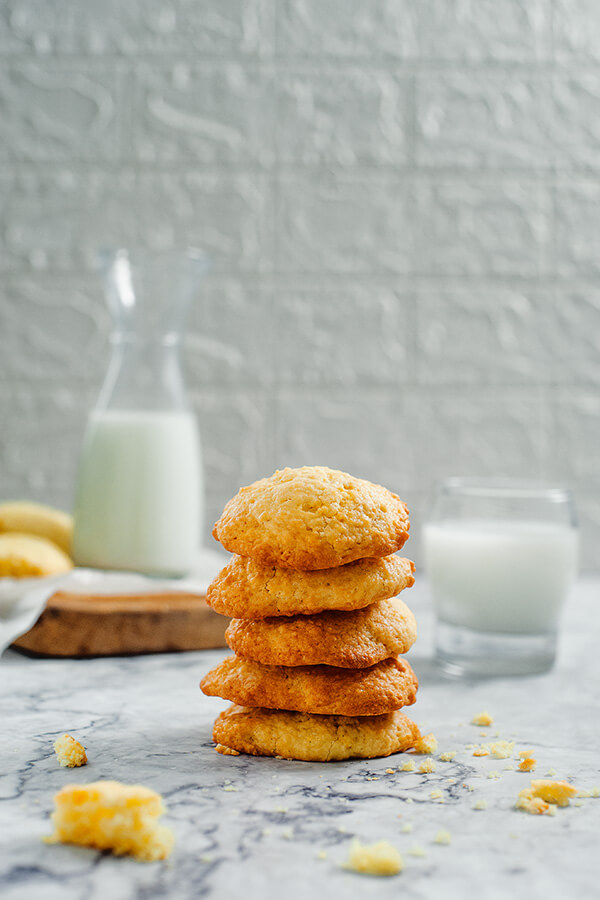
448, 755
541, 795
436, 794
417, 850
107, 815
481, 751
494, 774
389, 771
229, 787
226, 751
443, 837
408, 766
69, 752
527, 764
480, 804
427, 766
502, 749
321, 854
525, 753
482, 719
426, 744
595, 792
287, 833
374, 859
408, 800
407, 828
551, 772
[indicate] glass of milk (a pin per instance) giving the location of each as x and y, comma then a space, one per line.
138, 503
500, 556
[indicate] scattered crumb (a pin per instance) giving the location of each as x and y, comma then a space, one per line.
409, 800
226, 751
452, 781
206, 858
443, 837
417, 850
527, 764
341, 829
508, 768
389, 771
69, 752
282, 809
427, 766
524, 753
577, 803
427, 744
108, 815
470, 746
480, 804
551, 772
483, 734
374, 859
230, 787
436, 794
408, 766
448, 755
481, 751
321, 854
287, 833
482, 718
595, 792
494, 774
470, 787
407, 828
372, 778
502, 749
539, 798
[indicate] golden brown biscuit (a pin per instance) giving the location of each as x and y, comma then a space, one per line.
326, 690
295, 735
246, 589
352, 640
312, 518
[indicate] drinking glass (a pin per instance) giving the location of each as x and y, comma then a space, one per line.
500, 556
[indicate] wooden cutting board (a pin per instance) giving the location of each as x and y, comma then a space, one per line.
82, 625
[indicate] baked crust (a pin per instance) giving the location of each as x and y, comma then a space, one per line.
326, 690
353, 640
315, 738
246, 589
312, 518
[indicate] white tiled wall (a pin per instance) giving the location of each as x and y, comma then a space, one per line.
401, 201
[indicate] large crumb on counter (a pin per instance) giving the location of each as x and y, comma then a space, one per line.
483, 719
542, 796
426, 744
374, 859
108, 815
70, 752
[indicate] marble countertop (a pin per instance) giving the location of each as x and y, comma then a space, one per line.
265, 828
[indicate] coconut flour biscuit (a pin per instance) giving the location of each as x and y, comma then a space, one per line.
295, 735
354, 640
246, 589
326, 690
312, 518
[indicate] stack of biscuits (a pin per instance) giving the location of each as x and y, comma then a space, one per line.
317, 627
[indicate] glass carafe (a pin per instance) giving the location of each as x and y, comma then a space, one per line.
138, 503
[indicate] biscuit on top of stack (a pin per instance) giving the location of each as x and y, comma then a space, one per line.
317, 628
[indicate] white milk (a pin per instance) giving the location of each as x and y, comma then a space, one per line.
138, 503
495, 576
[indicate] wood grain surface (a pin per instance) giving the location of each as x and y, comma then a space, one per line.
80, 625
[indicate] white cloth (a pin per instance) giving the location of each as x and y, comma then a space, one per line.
22, 600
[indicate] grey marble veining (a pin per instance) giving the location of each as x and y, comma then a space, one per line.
258, 828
